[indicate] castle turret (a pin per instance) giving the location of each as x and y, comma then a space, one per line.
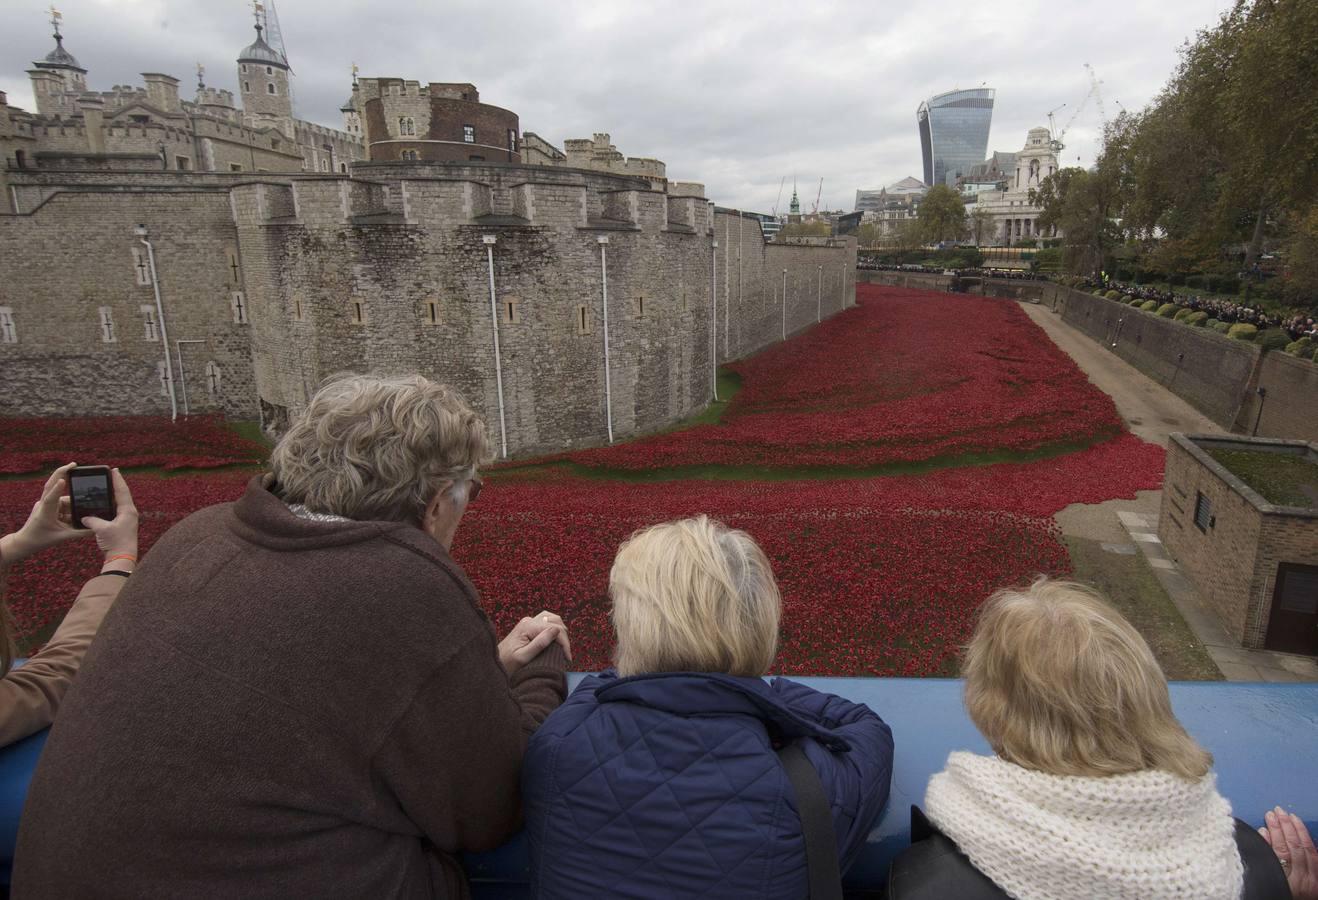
58, 74
263, 83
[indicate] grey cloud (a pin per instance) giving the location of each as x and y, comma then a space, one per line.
734, 94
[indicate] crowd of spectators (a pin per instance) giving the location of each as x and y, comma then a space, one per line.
1230, 311
297, 694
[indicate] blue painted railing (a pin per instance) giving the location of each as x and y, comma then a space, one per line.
1264, 738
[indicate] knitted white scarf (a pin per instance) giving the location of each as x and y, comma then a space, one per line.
1144, 835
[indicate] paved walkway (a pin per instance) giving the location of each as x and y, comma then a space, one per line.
1152, 412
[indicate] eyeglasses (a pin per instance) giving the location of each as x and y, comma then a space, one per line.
475, 490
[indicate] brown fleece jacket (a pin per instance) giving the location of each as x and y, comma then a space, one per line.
278, 707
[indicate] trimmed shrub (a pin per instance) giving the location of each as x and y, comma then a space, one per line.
1315, 355
1242, 331
1113, 295
1136, 301
1302, 347
1196, 318
1273, 339
1098, 292
1221, 327
1149, 305
1167, 310
1182, 314
1212, 323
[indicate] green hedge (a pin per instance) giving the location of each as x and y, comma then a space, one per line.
1136, 301
1273, 339
1167, 310
1113, 295
1149, 305
1222, 327
1182, 314
1196, 318
1302, 347
1242, 332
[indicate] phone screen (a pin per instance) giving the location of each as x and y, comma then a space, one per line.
89, 493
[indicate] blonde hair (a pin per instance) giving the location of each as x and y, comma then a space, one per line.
1058, 681
378, 448
694, 595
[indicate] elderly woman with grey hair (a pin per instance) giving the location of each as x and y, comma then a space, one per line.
297, 694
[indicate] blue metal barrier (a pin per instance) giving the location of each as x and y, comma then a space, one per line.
1264, 738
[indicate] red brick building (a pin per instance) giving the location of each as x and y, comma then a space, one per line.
436, 122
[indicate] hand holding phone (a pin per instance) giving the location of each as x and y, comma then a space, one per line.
91, 493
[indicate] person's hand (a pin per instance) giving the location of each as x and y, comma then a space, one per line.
1289, 839
49, 523
117, 537
529, 637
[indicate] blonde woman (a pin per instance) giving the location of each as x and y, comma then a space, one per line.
663, 778
1094, 789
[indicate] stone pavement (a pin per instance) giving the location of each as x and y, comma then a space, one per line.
1236, 663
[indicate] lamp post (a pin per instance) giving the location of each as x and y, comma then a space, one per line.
713, 320
603, 240
489, 241
141, 233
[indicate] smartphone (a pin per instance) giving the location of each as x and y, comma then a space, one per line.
91, 493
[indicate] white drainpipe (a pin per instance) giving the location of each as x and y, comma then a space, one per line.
604, 286
784, 304
489, 240
713, 321
140, 231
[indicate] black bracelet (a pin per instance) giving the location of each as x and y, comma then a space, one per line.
117, 572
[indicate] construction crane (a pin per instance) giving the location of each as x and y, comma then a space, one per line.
818, 194
780, 196
1056, 136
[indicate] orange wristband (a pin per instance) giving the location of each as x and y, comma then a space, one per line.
128, 556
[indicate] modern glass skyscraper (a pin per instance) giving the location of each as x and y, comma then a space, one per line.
954, 130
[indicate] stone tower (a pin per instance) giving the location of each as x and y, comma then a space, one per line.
57, 76
263, 83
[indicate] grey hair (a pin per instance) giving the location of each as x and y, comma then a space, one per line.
368, 447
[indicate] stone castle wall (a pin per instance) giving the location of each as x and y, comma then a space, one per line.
388, 272
74, 259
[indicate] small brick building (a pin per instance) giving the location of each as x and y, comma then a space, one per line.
1254, 563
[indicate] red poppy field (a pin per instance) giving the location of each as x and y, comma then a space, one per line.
880, 574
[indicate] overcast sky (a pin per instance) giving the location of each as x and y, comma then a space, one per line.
733, 94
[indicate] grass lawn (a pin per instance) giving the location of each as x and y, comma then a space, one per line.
1282, 478
1129, 582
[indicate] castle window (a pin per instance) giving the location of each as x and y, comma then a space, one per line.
235, 167
406, 125
243, 67
583, 319
324, 165
343, 167
432, 312
1203, 512
512, 140
640, 306
247, 87
107, 325
149, 330
212, 379
469, 133
140, 267
270, 87
512, 313
269, 70
182, 163
140, 120
238, 303
163, 374
408, 154
8, 331
274, 143
475, 158
358, 313
231, 260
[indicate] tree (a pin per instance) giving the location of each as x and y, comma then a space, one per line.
868, 235
942, 215
981, 224
1081, 204
907, 237
807, 229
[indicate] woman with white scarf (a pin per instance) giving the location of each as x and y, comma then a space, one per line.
1094, 790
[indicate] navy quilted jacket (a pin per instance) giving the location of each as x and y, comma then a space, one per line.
667, 785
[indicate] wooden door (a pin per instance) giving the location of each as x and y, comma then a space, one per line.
1293, 627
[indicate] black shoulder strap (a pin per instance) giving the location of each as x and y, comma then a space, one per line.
816, 823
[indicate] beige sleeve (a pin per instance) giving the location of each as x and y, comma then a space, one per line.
30, 695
